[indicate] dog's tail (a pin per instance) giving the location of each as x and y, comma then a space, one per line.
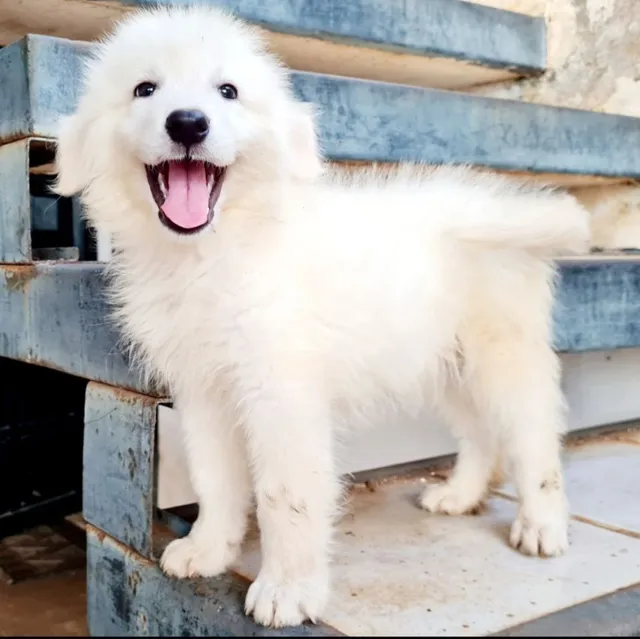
499, 213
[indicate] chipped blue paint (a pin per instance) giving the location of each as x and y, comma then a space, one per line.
15, 100
376, 121
119, 465
57, 315
38, 76
15, 206
598, 305
129, 596
444, 28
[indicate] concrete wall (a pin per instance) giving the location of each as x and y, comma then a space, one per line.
593, 58
530, 7
615, 221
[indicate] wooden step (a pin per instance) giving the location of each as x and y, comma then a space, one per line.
366, 121
56, 315
433, 43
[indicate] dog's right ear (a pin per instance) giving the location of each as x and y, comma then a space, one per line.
73, 163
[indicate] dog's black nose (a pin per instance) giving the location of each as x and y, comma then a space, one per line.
187, 127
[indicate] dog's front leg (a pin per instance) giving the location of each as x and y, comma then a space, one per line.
289, 437
219, 470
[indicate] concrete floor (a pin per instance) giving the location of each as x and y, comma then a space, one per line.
47, 607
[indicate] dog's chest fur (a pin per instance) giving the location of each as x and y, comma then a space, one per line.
186, 318
203, 323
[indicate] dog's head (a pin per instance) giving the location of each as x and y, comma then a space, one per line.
183, 113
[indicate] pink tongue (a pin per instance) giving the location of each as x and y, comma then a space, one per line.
187, 201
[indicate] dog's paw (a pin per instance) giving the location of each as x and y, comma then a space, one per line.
278, 603
542, 532
189, 557
449, 498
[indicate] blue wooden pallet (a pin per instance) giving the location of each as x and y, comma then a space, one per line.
443, 28
57, 315
449, 42
365, 121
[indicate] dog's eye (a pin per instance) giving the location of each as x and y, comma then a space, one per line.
145, 89
228, 91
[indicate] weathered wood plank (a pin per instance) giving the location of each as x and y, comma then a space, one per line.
445, 28
15, 206
373, 121
129, 596
434, 43
39, 77
56, 315
119, 465
598, 304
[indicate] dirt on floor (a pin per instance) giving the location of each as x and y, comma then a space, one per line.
50, 606
43, 581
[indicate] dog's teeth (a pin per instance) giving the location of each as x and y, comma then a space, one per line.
162, 184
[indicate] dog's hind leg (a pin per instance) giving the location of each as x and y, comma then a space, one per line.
477, 456
517, 378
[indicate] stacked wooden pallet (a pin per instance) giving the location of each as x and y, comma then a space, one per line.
388, 77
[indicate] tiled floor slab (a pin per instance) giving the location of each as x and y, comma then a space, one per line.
399, 571
603, 480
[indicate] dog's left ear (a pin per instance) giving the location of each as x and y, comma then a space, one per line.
305, 155
73, 162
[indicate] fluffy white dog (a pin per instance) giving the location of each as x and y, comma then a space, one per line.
281, 301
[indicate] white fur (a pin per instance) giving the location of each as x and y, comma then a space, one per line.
314, 299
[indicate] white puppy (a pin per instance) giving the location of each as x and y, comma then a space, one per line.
281, 302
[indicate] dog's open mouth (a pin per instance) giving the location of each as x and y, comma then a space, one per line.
186, 192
